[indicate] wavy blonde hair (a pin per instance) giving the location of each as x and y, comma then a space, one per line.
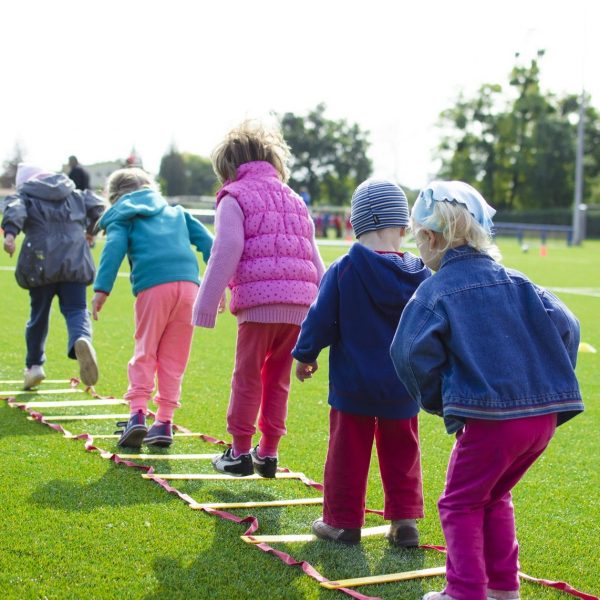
251, 141
125, 181
459, 227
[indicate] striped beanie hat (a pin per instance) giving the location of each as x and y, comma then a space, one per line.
378, 204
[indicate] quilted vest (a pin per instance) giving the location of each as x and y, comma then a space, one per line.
276, 266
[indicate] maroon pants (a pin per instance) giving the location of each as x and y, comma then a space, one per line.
347, 468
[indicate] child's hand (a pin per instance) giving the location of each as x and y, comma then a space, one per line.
9, 243
222, 303
97, 303
305, 370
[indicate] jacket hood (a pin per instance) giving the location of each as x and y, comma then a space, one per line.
55, 187
141, 203
389, 282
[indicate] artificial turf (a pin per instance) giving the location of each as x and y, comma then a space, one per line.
73, 525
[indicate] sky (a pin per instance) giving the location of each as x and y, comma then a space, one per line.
96, 78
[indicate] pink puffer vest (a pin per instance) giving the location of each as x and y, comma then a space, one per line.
276, 265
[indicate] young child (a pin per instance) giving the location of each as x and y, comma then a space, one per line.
356, 313
54, 260
156, 238
266, 252
494, 355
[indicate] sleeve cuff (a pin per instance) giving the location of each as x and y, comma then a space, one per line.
205, 320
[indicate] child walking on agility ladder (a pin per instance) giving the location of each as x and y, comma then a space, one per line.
266, 252
494, 355
156, 238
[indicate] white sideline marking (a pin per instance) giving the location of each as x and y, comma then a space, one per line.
577, 291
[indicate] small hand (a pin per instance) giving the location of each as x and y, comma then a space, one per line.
222, 303
9, 243
305, 370
97, 303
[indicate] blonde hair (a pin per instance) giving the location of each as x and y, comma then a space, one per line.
125, 181
251, 141
459, 226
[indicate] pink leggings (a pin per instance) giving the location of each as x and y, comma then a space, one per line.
163, 338
347, 468
260, 385
476, 510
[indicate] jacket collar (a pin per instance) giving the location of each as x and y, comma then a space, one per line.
461, 253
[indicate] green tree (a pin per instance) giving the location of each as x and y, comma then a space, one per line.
329, 157
200, 177
172, 173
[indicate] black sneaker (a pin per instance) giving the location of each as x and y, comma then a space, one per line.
239, 467
403, 533
135, 431
265, 467
327, 532
160, 434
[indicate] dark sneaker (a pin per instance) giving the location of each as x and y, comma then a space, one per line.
265, 467
160, 434
135, 431
239, 467
86, 357
403, 533
327, 532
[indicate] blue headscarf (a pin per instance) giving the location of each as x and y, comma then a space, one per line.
454, 192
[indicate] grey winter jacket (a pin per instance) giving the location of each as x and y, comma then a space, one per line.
54, 217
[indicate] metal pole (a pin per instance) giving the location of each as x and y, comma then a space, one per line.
578, 213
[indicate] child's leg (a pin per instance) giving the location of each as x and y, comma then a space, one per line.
174, 348
36, 330
400, 465
73, 306
500, 542
246, 385
151, 316
275, 377
484, 453
347, 469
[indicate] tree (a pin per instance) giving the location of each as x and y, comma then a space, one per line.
518, 151
172, 173
200, 177
9, 167
329, 157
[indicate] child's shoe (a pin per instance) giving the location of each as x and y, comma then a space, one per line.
437, 596
160, 434
33, 376
503, 595
403, 533
86, 357
241, 466
265, 467
327, 532
135, 431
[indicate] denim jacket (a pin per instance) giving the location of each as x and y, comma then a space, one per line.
481, 341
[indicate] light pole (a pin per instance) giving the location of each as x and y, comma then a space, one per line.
578, 206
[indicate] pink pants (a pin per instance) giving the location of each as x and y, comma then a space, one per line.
347, 468
163, 338
260, 385
476, 510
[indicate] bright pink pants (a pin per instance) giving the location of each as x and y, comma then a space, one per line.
347, 468
260, 385
163, 338
476, 510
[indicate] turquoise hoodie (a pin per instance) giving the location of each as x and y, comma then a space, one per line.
155, 237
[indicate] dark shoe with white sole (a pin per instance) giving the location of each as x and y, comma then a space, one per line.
135, 431
403, 533
160, 435
241, 466
265, 467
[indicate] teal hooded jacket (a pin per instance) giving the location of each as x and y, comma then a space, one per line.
155, 237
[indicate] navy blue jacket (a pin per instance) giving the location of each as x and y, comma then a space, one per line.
360, 300
481, 341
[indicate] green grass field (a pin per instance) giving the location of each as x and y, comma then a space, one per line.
75, 526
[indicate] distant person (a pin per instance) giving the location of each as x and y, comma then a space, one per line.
54, 260
265, 251
305, 195
78, 175
494, 355
356, 313
156, 239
